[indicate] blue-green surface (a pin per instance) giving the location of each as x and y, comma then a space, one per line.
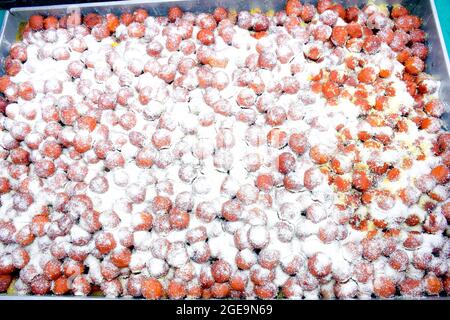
443, 8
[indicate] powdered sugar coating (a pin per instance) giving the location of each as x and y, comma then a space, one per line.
224, 155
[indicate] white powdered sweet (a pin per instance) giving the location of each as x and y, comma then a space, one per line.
171, 168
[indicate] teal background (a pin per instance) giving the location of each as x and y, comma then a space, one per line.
443, 8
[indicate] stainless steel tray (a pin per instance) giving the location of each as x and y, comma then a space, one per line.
438, 63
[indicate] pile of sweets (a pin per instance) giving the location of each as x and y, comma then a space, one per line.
292, 154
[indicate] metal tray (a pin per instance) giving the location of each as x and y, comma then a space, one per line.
437, 64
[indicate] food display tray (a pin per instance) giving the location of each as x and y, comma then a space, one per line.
437, 64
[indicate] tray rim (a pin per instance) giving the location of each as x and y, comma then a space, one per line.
92, 4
